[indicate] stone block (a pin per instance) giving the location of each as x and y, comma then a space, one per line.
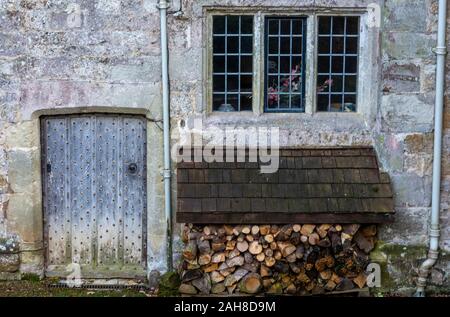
407, 113
411, 190
9, 262
405, 15
400, 77
407, 45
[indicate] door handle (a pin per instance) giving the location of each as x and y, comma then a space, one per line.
132, 168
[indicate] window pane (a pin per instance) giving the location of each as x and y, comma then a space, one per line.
337, 90
232, 44
232, 62
322, 102
218, 100
336, 103
351, 64
273, 26
218, 25
233, 25
219, 83
246, 44
247, 24
219, 64
246, 102
297, 27
284, 69
353, 25
219, 44
246, 83
351, 46
338, 45
297, 45
285, 45
338, 25
324, 25
324, 45
246, 64
323, 64
286, 27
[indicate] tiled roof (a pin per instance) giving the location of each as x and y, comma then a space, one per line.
311, 185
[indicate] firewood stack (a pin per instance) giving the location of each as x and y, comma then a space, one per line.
275, 259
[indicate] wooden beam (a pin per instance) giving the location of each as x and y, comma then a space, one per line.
281, 217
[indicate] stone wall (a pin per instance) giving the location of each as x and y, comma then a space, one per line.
61, 56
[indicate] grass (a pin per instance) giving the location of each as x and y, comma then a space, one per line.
35, 288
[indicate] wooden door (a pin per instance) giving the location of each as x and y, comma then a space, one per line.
94, 194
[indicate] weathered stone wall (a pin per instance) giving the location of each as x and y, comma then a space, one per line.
71, 56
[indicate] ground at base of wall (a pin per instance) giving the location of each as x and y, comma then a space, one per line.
26, 288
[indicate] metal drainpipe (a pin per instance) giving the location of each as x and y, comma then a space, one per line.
441, 51
163, 5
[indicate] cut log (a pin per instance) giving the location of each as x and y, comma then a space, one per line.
242, 246
275, 289
277, 255
281, 267
291, 258
300, 252
248, 258
204, 259
324, 243
307, 229
249, 238
369, 231
273, 246
228, 230
265, 271
286, 248
313, 239
295, 238
218, 244
233, 253
322, 230
345, 285
187, 289
218, 288
270, 261
216, 277
235, 277
191, 275
237, 230
218, 257
268, 238
325, 275
236, 261
364, 243
255, 230
264, 229
268, 252
246, 230
296, 228
350, 229
203, 284
291, 289
190, 251
260, 257
255, 248
338, 228
330, 285
360, 280
210, 267
251, 284
304, 239
231, 245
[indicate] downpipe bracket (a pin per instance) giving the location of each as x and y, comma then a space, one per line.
440, 50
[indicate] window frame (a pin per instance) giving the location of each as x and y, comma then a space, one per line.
311, 61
